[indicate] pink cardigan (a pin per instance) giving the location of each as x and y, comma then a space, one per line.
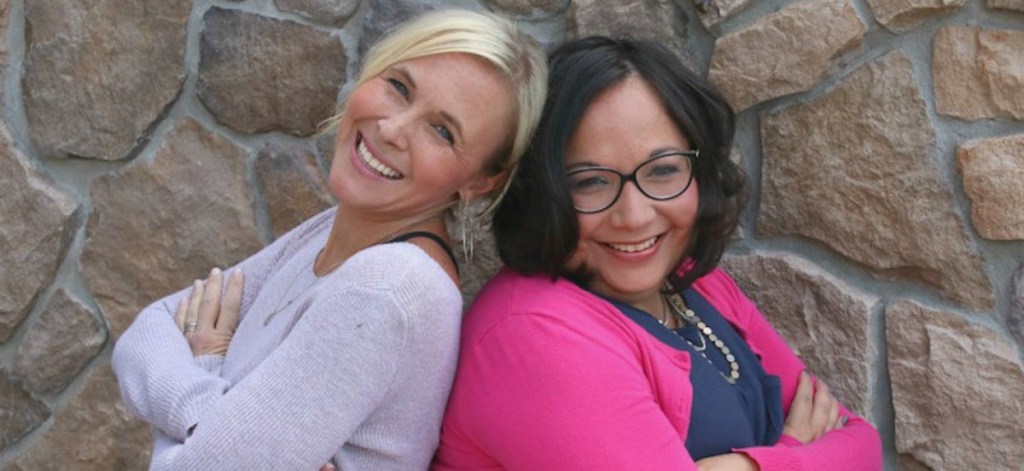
551, 377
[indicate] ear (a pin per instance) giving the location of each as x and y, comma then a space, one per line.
482, 186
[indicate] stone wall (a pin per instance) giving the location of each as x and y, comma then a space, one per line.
144, 142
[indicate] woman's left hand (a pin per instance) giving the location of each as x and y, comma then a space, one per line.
727, 462
208, 319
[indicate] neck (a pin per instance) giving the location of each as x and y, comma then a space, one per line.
352, 232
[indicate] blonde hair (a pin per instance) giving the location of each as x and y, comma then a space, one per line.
495, 40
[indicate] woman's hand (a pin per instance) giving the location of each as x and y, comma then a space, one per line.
813, 413
208, 319
727, 462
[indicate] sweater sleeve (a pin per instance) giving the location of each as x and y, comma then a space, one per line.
158, 376
536, 393
855, 446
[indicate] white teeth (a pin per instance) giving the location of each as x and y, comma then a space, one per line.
375, 164
635, 247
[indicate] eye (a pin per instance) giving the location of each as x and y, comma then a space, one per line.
588, 182
663, 170
399, 87
445, 133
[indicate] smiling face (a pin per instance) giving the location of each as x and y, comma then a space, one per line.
418, 136
631, 247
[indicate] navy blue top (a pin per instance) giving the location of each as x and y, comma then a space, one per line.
723, 416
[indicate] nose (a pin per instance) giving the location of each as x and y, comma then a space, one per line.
633, 210
393, 130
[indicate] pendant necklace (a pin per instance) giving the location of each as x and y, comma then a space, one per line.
684, 315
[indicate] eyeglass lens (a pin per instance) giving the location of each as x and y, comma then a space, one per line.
661, 178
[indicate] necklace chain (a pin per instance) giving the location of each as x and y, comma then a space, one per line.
684, 315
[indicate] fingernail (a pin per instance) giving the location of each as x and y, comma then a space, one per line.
215, 271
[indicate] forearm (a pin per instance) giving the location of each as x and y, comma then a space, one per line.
854, 447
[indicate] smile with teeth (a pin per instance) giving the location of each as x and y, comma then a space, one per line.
370, 161
634, 247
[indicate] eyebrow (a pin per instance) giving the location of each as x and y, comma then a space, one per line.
445, 116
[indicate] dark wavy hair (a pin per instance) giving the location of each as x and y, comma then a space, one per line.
537, 228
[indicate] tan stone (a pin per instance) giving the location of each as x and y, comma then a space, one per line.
37, 220
712, 12
993, 175
852, 169
957, 391
1012, 5
63, 340
21, 413
660, 21
901, 15
382, 16
979, 73
332, 12
824, 320
1015, 320
525, 7
785, 52
94, 432
478, 261
158, 224
99, 73
258, 74
4, 20
292, 184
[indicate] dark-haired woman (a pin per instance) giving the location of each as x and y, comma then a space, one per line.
611, 340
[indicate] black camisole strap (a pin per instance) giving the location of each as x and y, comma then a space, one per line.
433, 237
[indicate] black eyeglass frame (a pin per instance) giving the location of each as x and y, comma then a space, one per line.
623, 178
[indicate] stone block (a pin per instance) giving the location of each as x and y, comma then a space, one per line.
292, 184
527, 7
21, 412
978, 73
332, 12
993, 176
661, 21
902, 15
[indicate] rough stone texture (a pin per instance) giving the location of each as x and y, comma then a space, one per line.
94, 432
785, 52
36, 223
332, 12
712, 12
258, 74
325, 149
66, 336
661, 21
824, 320
993, 175
956, 390
902, 15
979, 73
21, 413
478, 261
867, 187
385, 15
156, 225
524, 7
85, 60
1016, 318
4, 20
1012, 5
292, 184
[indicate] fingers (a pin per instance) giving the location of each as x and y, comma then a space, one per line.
179, 315
209, 304
803, 401
192, 313
824, 404
232, 302
834, 418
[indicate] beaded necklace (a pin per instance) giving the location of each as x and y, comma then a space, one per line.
684, 315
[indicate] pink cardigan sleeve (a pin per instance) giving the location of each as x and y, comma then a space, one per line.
855, 446
537, 393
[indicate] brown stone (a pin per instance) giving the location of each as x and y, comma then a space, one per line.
978, 73
661, 21
4, 19
94, 432
993, 174
478, 261
901, 15
258, 74
525, 7
325, 149
824, 320
332, 12
957, 391
63, 340
384, 16
292, 184
21, 413
1011, 5
786, 52
852, 169
99, 73
37, 220
712, 12
1016, 317
158, 224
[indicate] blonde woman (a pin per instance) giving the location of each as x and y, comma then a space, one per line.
338, 342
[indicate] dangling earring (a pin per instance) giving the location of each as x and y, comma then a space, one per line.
467, 219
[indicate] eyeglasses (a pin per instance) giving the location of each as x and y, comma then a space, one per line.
662, 177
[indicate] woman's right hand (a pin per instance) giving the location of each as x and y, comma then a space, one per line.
813, 413
207, 318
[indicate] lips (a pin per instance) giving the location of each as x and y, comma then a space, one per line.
633, 248
374, 164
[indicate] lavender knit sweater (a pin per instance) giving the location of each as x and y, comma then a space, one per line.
356, 369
